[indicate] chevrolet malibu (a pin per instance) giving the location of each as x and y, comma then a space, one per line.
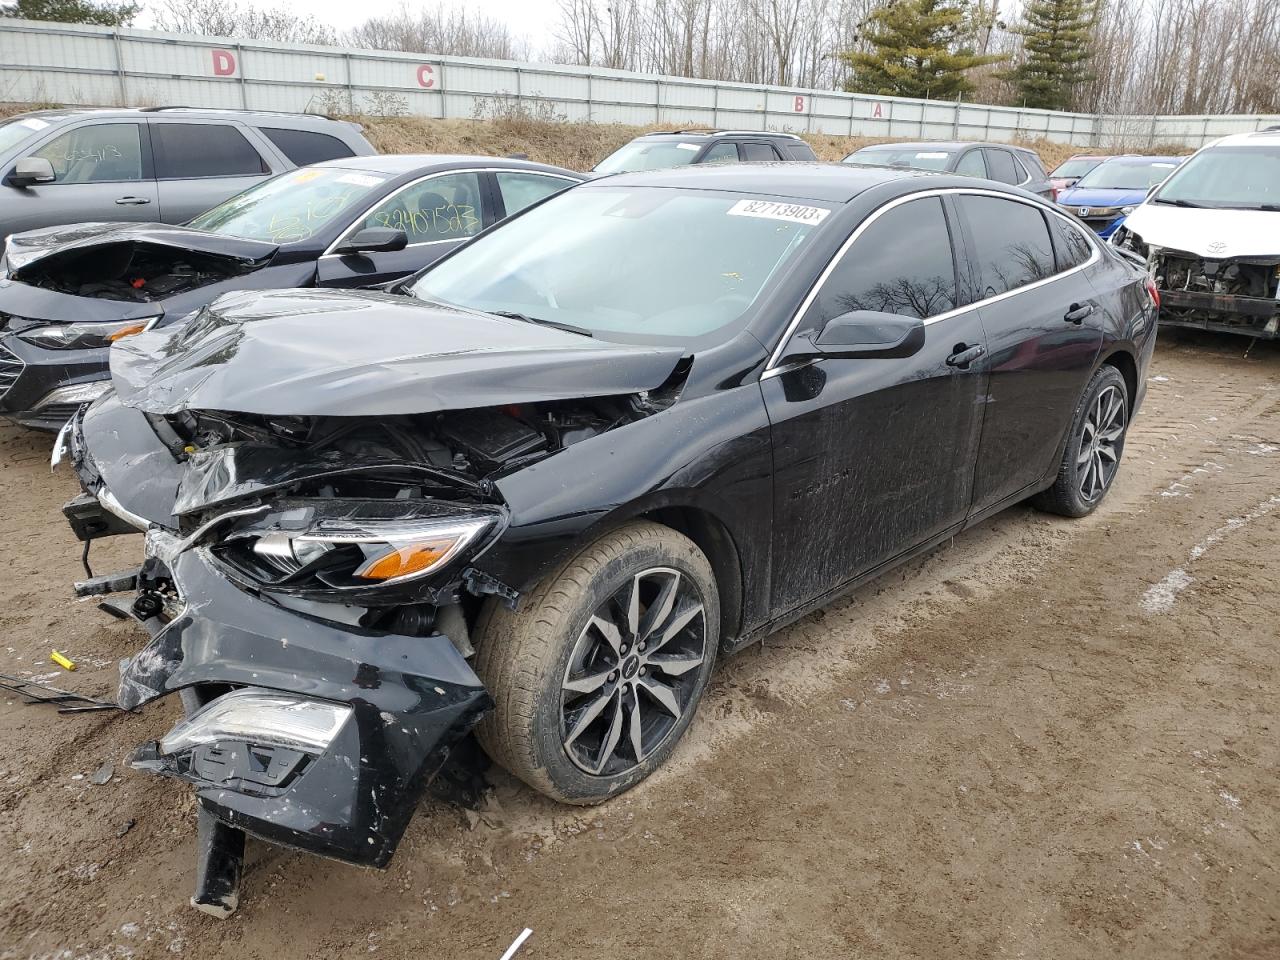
539, 491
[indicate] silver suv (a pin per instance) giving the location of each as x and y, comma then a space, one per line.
156, 163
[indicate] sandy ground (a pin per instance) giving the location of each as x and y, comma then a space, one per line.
1049, 739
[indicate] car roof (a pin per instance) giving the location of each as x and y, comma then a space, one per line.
1137, 158
947, 145
1268, 137
398, 164
265, 118
705, 134
828, 182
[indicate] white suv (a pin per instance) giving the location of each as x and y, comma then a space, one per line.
1211, 237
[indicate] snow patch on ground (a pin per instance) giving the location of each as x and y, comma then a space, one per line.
1160, 597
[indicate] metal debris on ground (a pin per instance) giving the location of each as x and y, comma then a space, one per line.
67, 702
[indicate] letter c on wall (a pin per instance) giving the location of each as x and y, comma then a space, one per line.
224, 63
425, 78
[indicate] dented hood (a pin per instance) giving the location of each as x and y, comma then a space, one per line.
329, 353
33, 246
1218, 234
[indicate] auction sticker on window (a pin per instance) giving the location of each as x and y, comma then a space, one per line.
360, 180
773, 210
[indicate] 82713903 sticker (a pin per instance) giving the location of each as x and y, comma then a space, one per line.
775, 210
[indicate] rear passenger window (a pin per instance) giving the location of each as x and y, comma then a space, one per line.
758, 152
722, 153
1011, 243
1001, 167
189, 150
519, 190
900, 264
306, 146
971, 165
1070, 246
95, 153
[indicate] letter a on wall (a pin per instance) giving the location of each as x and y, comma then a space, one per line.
224, 63
877, 112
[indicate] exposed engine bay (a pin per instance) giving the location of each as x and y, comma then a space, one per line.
137, 271
1227, 294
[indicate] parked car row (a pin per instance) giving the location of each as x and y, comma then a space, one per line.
604, 430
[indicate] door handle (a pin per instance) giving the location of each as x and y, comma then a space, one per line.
132, 201
1078, 312
963, 355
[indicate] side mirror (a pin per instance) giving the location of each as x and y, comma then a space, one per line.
866, 333
31, 170
374, 240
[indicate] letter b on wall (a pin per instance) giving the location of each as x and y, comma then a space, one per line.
798, 106
224, 63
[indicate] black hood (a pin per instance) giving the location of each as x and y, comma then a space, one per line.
34, 246
326, 353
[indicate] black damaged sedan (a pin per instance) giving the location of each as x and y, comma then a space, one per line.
637, 427
68, 293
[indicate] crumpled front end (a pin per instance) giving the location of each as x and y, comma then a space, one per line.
1233, 295
312, 734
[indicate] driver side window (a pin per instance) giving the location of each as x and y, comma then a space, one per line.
901, 264
448, 207
95, 153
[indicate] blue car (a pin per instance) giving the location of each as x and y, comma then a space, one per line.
1108, 193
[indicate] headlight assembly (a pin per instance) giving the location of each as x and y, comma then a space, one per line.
310, 546
260, 717
84, 336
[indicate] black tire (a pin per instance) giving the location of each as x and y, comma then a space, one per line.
1087, 470
528, 658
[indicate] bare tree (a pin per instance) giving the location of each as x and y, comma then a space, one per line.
230, 18
441, 30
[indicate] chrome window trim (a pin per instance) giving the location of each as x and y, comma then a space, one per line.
773, 368
433, 176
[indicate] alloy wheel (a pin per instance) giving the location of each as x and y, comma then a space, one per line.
1100, 443
633, 672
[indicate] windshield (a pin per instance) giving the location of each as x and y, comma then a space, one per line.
1127, 174
290, 207
1237, 177
915, 158
1074, 168
638, 264
18, 129
649, 155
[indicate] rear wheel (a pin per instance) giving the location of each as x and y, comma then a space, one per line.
1091, 459
598, 673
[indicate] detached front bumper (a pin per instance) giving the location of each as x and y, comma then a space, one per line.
42, 388
404, 702
1225, 313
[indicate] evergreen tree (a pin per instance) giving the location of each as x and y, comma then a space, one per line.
1056, 45
921, 48
73, 11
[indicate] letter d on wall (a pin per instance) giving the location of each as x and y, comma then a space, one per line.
224, 63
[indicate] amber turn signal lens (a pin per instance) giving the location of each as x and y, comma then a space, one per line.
128, 331
405, 560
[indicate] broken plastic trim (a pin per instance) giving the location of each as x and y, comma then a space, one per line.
260, 717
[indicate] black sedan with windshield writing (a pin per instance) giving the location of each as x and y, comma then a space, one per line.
540, 489
68, 293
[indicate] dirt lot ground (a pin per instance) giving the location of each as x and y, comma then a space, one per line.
1050, 739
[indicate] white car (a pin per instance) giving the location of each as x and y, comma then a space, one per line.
1211, 237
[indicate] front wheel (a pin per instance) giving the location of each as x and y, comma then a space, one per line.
598, 673
1094, 447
